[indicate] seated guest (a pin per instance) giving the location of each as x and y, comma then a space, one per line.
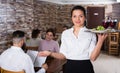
14, 58
32, 48
34, 40
48, 43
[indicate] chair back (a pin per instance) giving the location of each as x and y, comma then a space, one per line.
32, 48
114, 38
114, 43
8, 71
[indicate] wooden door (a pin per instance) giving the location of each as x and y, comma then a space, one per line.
95, 15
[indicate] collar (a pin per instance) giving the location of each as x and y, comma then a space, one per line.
81, 29
17, 48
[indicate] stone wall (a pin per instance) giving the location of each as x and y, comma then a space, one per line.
50, 15
15, 15
116, 11
29, 14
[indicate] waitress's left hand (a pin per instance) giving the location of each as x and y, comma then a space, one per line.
102, 36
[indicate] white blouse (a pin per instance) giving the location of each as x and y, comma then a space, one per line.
77, 48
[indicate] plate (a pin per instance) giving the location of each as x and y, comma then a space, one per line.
99, 31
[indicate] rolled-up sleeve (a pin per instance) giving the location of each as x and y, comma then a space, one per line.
92, 44
63, 47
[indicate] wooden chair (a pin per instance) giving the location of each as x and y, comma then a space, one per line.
118, 25
8, 71
113, 43
31, 48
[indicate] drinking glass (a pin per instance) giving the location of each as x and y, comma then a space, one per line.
105, 24
113, 23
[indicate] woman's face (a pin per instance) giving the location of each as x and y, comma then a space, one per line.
49, 36
78, 18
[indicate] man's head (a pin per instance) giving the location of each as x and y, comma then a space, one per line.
18, 38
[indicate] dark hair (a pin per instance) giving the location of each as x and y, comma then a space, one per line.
65, 27
51, 30
78, 8
35, 33
18, 34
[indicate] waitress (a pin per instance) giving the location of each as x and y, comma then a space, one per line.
78, 46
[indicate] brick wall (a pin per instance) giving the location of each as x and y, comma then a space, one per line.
29, 14
116, 11
49, 15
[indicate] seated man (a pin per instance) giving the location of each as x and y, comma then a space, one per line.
15, 59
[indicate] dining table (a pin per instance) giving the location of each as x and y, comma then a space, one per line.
54, 65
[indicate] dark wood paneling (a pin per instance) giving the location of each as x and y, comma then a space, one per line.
95, 15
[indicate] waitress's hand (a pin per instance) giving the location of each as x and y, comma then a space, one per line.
102, 36
44, 53
45, 66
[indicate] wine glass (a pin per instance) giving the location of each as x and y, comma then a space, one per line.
113, 23
105, 24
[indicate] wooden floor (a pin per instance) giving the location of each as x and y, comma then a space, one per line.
107, 64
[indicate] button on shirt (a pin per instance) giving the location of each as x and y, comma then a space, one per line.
77, 48
15, 59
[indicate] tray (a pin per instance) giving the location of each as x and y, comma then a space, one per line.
102, 31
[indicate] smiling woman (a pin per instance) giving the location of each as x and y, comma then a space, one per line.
77, 46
